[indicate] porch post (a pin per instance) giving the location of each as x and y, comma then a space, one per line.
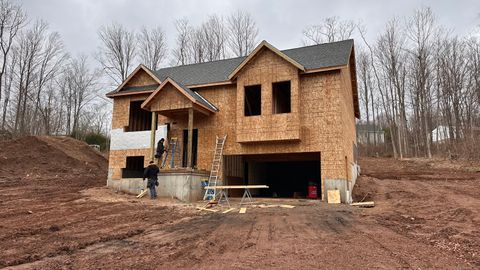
190, 138
152, 136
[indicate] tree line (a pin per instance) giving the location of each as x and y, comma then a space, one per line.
416, 79
43, 89
418, 76
413, 76
214, 39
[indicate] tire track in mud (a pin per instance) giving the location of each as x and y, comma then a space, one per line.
68, 250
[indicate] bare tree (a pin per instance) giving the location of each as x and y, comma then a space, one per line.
329, 30
243, 33
153, 47
390, 52
117, 52
214, 35
420, 30
29, 50
80, 84
207, 42
12, 20
8, 80
181, 52
50, 60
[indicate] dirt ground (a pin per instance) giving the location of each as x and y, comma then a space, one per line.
56, 213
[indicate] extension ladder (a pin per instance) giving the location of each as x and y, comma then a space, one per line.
172, 146
216, 167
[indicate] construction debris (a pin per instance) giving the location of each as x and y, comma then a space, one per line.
268, 206
144, 191
206, 209
333, 196
228, 210
243, 210
364, 204
287, 206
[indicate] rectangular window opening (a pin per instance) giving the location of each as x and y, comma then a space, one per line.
253, 100
139, 119
134, 167
281, 97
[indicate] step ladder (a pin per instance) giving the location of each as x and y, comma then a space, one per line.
213, 180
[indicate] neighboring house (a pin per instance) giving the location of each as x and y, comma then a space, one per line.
289, 117
442, 133
370, 134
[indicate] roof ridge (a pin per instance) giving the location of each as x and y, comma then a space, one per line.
191, 64
313, 45
219, 60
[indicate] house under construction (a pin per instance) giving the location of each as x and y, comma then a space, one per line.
289, 117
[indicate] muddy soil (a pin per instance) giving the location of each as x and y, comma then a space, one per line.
427, 218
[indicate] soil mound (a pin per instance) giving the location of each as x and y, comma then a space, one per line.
46, 156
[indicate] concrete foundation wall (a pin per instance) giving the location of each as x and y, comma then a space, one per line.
186, 187
183, 186
337, 184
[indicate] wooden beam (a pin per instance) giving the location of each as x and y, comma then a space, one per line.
228, 210
190, 138
363, 204
237, 187
152, 136
142, 193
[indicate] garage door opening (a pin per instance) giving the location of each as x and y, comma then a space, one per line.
287, 175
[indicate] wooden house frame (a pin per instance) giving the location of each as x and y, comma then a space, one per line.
290, 111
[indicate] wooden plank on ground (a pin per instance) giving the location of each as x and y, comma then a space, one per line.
287, 206
243, 210
237, 187
363, 204
206, 209
228, 210
142, 193
333, 196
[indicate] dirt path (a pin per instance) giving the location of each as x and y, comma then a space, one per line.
421, 221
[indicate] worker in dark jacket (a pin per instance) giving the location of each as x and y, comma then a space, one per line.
160, 150
151, 173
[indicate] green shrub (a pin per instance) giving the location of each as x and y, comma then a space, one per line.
96, 138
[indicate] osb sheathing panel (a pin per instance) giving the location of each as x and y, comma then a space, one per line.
121, 109
319, 121
140, 79
264, 69
117, 160
169, 98
348, 119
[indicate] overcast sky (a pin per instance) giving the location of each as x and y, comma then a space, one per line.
280, 22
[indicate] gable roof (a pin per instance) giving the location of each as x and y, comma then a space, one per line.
265, 44
191, 95
135, 71
321, 56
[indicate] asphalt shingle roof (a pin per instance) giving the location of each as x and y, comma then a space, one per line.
311, 57
322, 55
202, 73
200, 99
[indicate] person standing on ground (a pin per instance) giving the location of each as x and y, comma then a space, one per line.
151, 173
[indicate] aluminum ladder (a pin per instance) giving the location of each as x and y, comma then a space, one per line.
213, 179
172, 147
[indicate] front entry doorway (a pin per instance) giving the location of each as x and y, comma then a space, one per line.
194, 148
